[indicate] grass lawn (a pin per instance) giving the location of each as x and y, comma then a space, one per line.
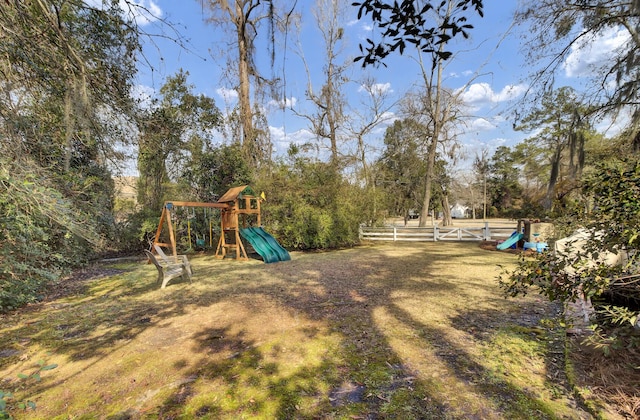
407, 330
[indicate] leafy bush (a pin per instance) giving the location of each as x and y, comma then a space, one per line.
613, 226
310, 206
44, 234
27, 263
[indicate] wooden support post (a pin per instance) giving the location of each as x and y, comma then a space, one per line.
221, 250
172, 236
156, 239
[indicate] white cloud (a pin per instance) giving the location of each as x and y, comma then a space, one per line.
389, 117
143, 12
481, 124
592, 51
229, 95
376, 89
481, 93
386, 119
283, 103
510, 92
473, 147
281, 139
465, 73
611, 127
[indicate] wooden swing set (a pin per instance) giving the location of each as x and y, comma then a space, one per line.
238, 206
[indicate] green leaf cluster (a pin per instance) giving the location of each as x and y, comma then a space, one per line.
67, 73
612, 223
311, 206
7, 402
410, 23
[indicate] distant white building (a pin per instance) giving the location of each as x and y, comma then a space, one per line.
459, 211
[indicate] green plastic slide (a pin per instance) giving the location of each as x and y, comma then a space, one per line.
265, 245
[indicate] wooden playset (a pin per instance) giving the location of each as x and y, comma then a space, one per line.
239, 207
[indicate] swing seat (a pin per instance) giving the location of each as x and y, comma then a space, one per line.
168, 271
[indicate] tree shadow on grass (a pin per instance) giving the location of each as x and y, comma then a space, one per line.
507, 398
357, 378
367, 378
360, 374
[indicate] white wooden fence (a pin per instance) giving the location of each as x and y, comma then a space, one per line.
436, 233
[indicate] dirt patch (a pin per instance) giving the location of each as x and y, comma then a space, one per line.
492, 246
612, 380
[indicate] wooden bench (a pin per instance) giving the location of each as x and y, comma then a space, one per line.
169, 270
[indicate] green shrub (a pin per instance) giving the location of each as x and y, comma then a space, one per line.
27, 262
310, 206
613, 222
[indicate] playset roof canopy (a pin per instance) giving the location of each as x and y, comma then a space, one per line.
237, 192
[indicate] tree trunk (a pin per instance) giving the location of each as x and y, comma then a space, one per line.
68, 125
431, 155
547, 203
446, 211
484, 198
330, 96
248, 132
435, 107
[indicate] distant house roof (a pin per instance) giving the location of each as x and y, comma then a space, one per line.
236, 192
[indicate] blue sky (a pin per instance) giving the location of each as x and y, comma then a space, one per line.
489, 68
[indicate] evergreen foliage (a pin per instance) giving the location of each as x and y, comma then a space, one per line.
57, 134
402, 167
612, 198
310, 206
409, 23
211, 173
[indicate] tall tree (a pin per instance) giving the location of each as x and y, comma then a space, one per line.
244, 19
56, 108
328, 120
373, 111
442, 190
66, 69
504, 185
210, 173
560, 126
557, 29
174, 130
481, 168
402, 166
435, 106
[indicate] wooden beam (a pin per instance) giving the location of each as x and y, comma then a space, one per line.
197, 204
172, 237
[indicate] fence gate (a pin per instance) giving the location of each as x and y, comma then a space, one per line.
436, 233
